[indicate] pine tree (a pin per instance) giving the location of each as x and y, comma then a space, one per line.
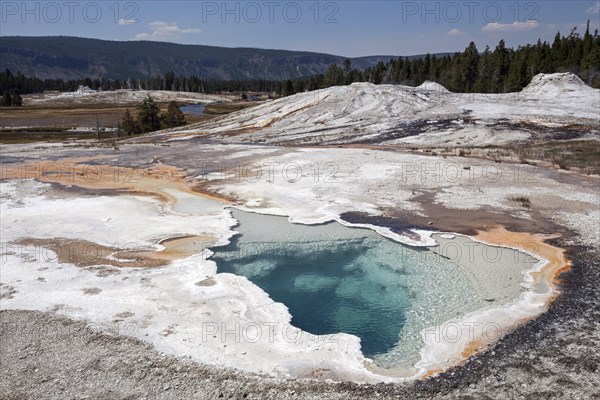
405, 72
16, 100
6, 99
587, 70
485, 71
454, 74
288, 89
556, 52
347, 65
148, 118
427, 67
316, 82
128, 124
517, 74
470, 67
174, 116
299, 87
501, 62
588, 40
418, 76
592, 62
334, 76
434, 70
378, 73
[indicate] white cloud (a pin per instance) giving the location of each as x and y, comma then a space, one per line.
455, 32
515, 26
164, 31
595, 9
123, 21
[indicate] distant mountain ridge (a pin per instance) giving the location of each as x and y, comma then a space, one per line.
65, 57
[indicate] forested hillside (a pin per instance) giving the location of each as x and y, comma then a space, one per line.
71, 58
491, 71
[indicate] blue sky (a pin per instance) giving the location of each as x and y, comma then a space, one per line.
351, 28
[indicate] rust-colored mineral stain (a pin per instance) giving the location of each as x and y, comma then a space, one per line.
432, 372
83, 253
77, 171
472, 348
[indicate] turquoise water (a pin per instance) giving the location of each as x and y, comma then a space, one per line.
338, 279
329, 285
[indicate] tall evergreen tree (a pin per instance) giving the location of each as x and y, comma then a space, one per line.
174, 116
469, 68
148, 118
288, 88
128, 124
517, 74
427, 66
485, 70
17, 100
406, 71
347, 65
501, 63
334, 76
299, 87
6, 99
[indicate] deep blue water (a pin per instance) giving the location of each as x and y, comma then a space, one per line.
353, 284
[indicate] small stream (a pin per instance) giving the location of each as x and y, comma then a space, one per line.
193, 109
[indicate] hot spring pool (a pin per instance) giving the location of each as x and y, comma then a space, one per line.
336, 279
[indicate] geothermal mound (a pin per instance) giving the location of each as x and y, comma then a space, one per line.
555, 84
433, 86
